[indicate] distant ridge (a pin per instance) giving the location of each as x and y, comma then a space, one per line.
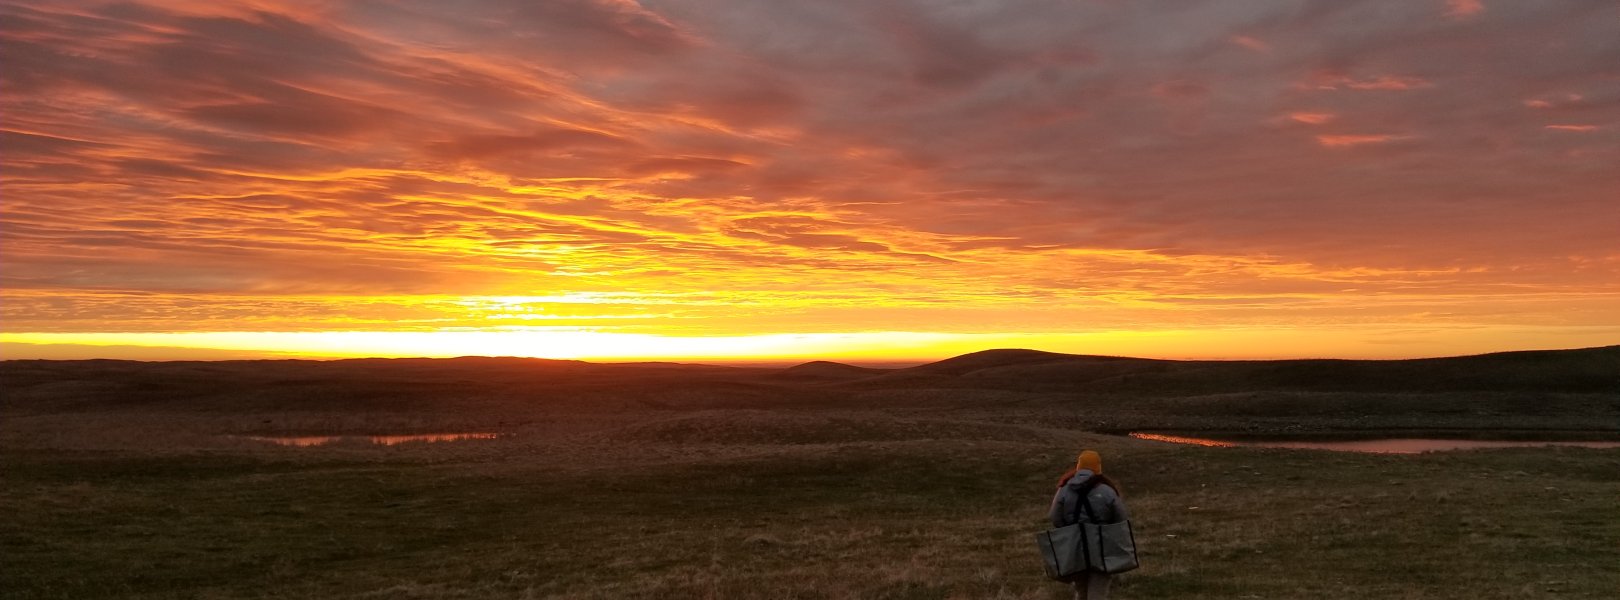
828, 370
1515, 382
1580, 370
1007, 357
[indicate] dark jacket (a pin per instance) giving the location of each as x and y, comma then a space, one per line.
1103, 502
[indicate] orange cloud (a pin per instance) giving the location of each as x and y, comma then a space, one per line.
1312, 118
1332, 80
1460, 9
1341, 141
1576, 128
1250, 43
1387, 82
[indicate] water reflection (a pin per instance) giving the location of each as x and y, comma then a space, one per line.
385, 440
1377, 446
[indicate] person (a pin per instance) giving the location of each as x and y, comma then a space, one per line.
1103, 505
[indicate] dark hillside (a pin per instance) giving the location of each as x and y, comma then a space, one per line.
359, 384
1002, 358
1592, 370
526, 385
822, 370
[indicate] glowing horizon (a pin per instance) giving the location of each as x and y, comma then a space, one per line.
891, 346
612, 179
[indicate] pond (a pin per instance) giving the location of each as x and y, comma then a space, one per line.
384, 440
1389, 445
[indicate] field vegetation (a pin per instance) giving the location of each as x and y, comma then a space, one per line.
137, 480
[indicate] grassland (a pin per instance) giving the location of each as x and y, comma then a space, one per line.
124, 480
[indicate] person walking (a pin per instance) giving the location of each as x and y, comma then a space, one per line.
1103, 504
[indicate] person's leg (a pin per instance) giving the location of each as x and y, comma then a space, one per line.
1097, 586
1080, 586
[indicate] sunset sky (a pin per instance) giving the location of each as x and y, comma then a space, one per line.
842, 179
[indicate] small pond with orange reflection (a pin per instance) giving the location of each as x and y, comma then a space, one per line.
1385, 445
383, 440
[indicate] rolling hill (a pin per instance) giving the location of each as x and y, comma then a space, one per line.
1585, 371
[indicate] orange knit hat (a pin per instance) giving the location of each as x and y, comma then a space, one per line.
1089, 459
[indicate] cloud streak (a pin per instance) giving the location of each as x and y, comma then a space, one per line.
1343, 141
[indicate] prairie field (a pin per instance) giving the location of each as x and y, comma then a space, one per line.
140, 480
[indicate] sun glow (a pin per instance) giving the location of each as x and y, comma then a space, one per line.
888, 346
557, 343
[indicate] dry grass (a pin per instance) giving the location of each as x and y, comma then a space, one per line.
614, 514
605, 495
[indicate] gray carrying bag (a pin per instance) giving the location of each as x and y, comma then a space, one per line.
1110, 547
1063, 551
1071, 550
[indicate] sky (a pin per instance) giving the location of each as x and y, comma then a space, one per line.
607, 179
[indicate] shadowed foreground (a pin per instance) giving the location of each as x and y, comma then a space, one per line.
657, 481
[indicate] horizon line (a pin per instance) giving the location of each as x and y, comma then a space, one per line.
763, 362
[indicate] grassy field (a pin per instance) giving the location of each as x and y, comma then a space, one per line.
747, 490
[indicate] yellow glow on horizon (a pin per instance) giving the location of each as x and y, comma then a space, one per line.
559, 343
577, 343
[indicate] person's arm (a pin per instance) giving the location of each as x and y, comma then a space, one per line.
1055, 514
1117, 504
